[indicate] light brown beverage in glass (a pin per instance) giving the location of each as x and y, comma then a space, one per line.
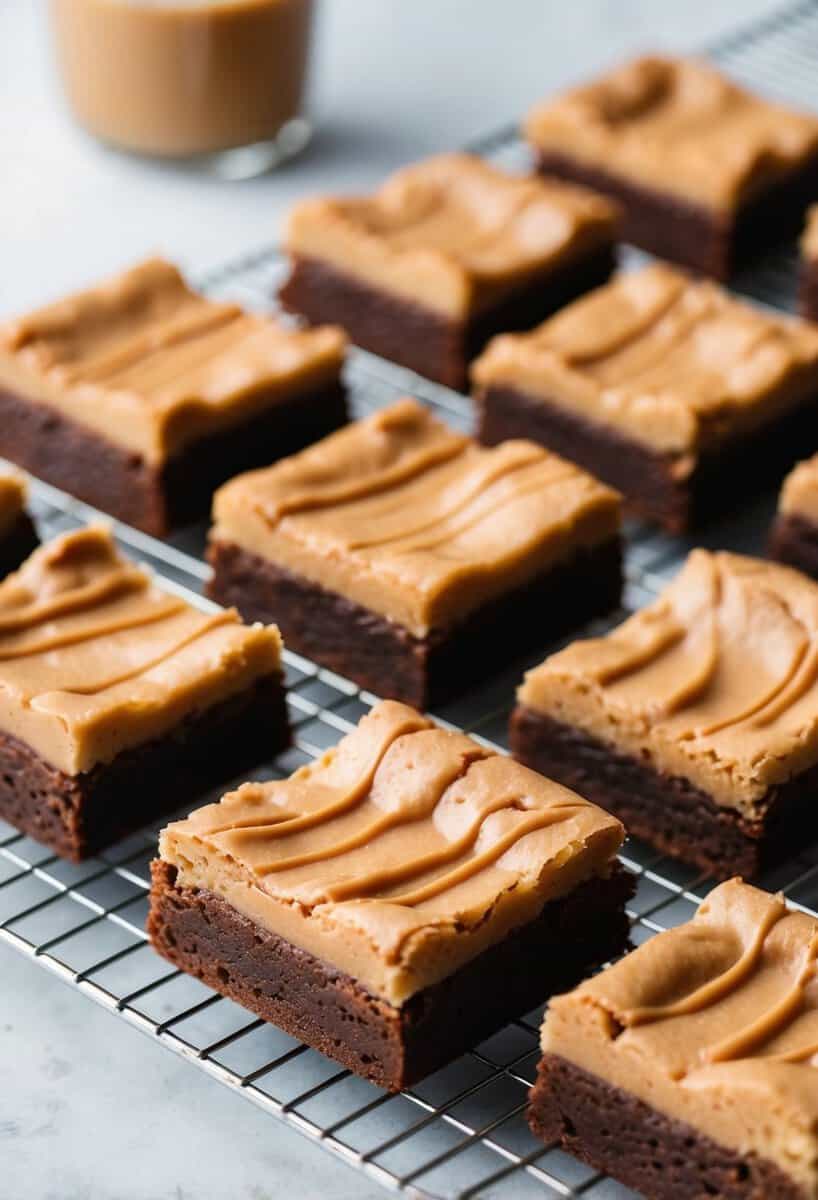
178, 78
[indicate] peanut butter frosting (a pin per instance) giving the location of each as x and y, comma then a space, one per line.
12, 502
402, 853
420, 524
452, 233
676, 126
809, 238
717, 681
799, 495
714, 1023
674, 363
152, 366
95, 659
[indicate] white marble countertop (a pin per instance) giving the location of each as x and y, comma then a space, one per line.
89, 1108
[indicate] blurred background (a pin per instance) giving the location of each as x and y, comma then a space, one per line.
90, 1109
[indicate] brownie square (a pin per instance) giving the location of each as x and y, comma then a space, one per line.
447, 253
669, 389
687, 1069
808, 291
695, 721
794, 534
18, 537
140, 396
404, 556
395, 902
706, 173
120, 701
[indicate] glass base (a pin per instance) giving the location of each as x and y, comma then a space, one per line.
246, 162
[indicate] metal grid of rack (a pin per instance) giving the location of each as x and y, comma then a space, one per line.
461, 1133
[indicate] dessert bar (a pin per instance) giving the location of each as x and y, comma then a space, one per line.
140, 396
669, 389
688, 1068
706, 173
119, 701
395, 902
404, 556
695, 721
794, 537
808, 292
444, 255
18, 537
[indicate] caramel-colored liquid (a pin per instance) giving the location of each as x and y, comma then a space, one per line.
183, 78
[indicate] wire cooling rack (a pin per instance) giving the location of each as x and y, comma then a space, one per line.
461, 1133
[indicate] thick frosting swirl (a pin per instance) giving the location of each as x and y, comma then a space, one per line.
416, 522
402, 853
452, 232
717, 681
714, 1023
676, 125
152, 365
674, 363
95, 659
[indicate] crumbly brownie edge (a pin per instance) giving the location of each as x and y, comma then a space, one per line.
383, 656
20, 541
656, 1155
794, 541
425, 341
700, 238
154, 499
392, 1047
78, 815
668, 811
650, 482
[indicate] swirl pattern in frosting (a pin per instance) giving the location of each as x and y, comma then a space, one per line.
453, 232
414, 521
717, 681
714, 1023
402, 853
674, 363
679, 126
95, 659
152, 365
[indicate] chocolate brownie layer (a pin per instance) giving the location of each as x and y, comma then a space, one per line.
794, 540
78, 815
393, 1047
679, 230
387, 659
156, 499
18, 543
662, 1158
416, 337
666, 811
650, 482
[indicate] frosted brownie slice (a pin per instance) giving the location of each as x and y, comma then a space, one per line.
406, 557
18, 537
119, 701
688, 1068
809, 266
794, 537
395, 902
445, 254
141, 397
669, 389
706, 173
695, 721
